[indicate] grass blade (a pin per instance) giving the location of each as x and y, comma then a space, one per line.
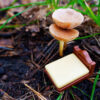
14, 26
90, 11
23, 5
98, 12
13, 2
81, 91
81, 2
49, 3
3, 25
50, 12
72, 94
88, 36
60, 96
94, 85
54, 3
70, 3
58, 2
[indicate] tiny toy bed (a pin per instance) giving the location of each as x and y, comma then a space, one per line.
71, 69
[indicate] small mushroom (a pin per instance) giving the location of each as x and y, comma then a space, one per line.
67, 18
62, 35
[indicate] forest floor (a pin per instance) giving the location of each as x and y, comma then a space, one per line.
25, 50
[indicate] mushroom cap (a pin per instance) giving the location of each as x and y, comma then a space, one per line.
63, 35
67, 18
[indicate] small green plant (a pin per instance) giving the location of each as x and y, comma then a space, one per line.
53, 4
88, 11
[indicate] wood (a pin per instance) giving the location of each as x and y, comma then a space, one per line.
85, 58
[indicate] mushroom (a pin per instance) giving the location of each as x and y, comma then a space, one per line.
67, 18
64, 36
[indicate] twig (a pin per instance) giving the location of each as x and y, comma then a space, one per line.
45, 51
6, 96
33, 62
34, 91
51, 51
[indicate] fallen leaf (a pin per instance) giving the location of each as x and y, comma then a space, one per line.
5, 4
6, 43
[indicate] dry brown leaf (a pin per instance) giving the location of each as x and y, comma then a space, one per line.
5, 4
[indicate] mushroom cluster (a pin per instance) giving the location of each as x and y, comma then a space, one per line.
64, 22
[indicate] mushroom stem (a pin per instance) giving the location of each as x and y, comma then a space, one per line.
61, 47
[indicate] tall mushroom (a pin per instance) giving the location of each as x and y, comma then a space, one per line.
67, 18
62, 35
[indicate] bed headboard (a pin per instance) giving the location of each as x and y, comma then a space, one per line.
85, 58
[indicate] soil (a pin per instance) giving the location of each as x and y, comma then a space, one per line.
25, 51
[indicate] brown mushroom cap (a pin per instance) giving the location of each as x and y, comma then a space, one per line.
63, 35
67, 18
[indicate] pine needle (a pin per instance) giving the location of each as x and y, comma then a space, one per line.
35, 92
